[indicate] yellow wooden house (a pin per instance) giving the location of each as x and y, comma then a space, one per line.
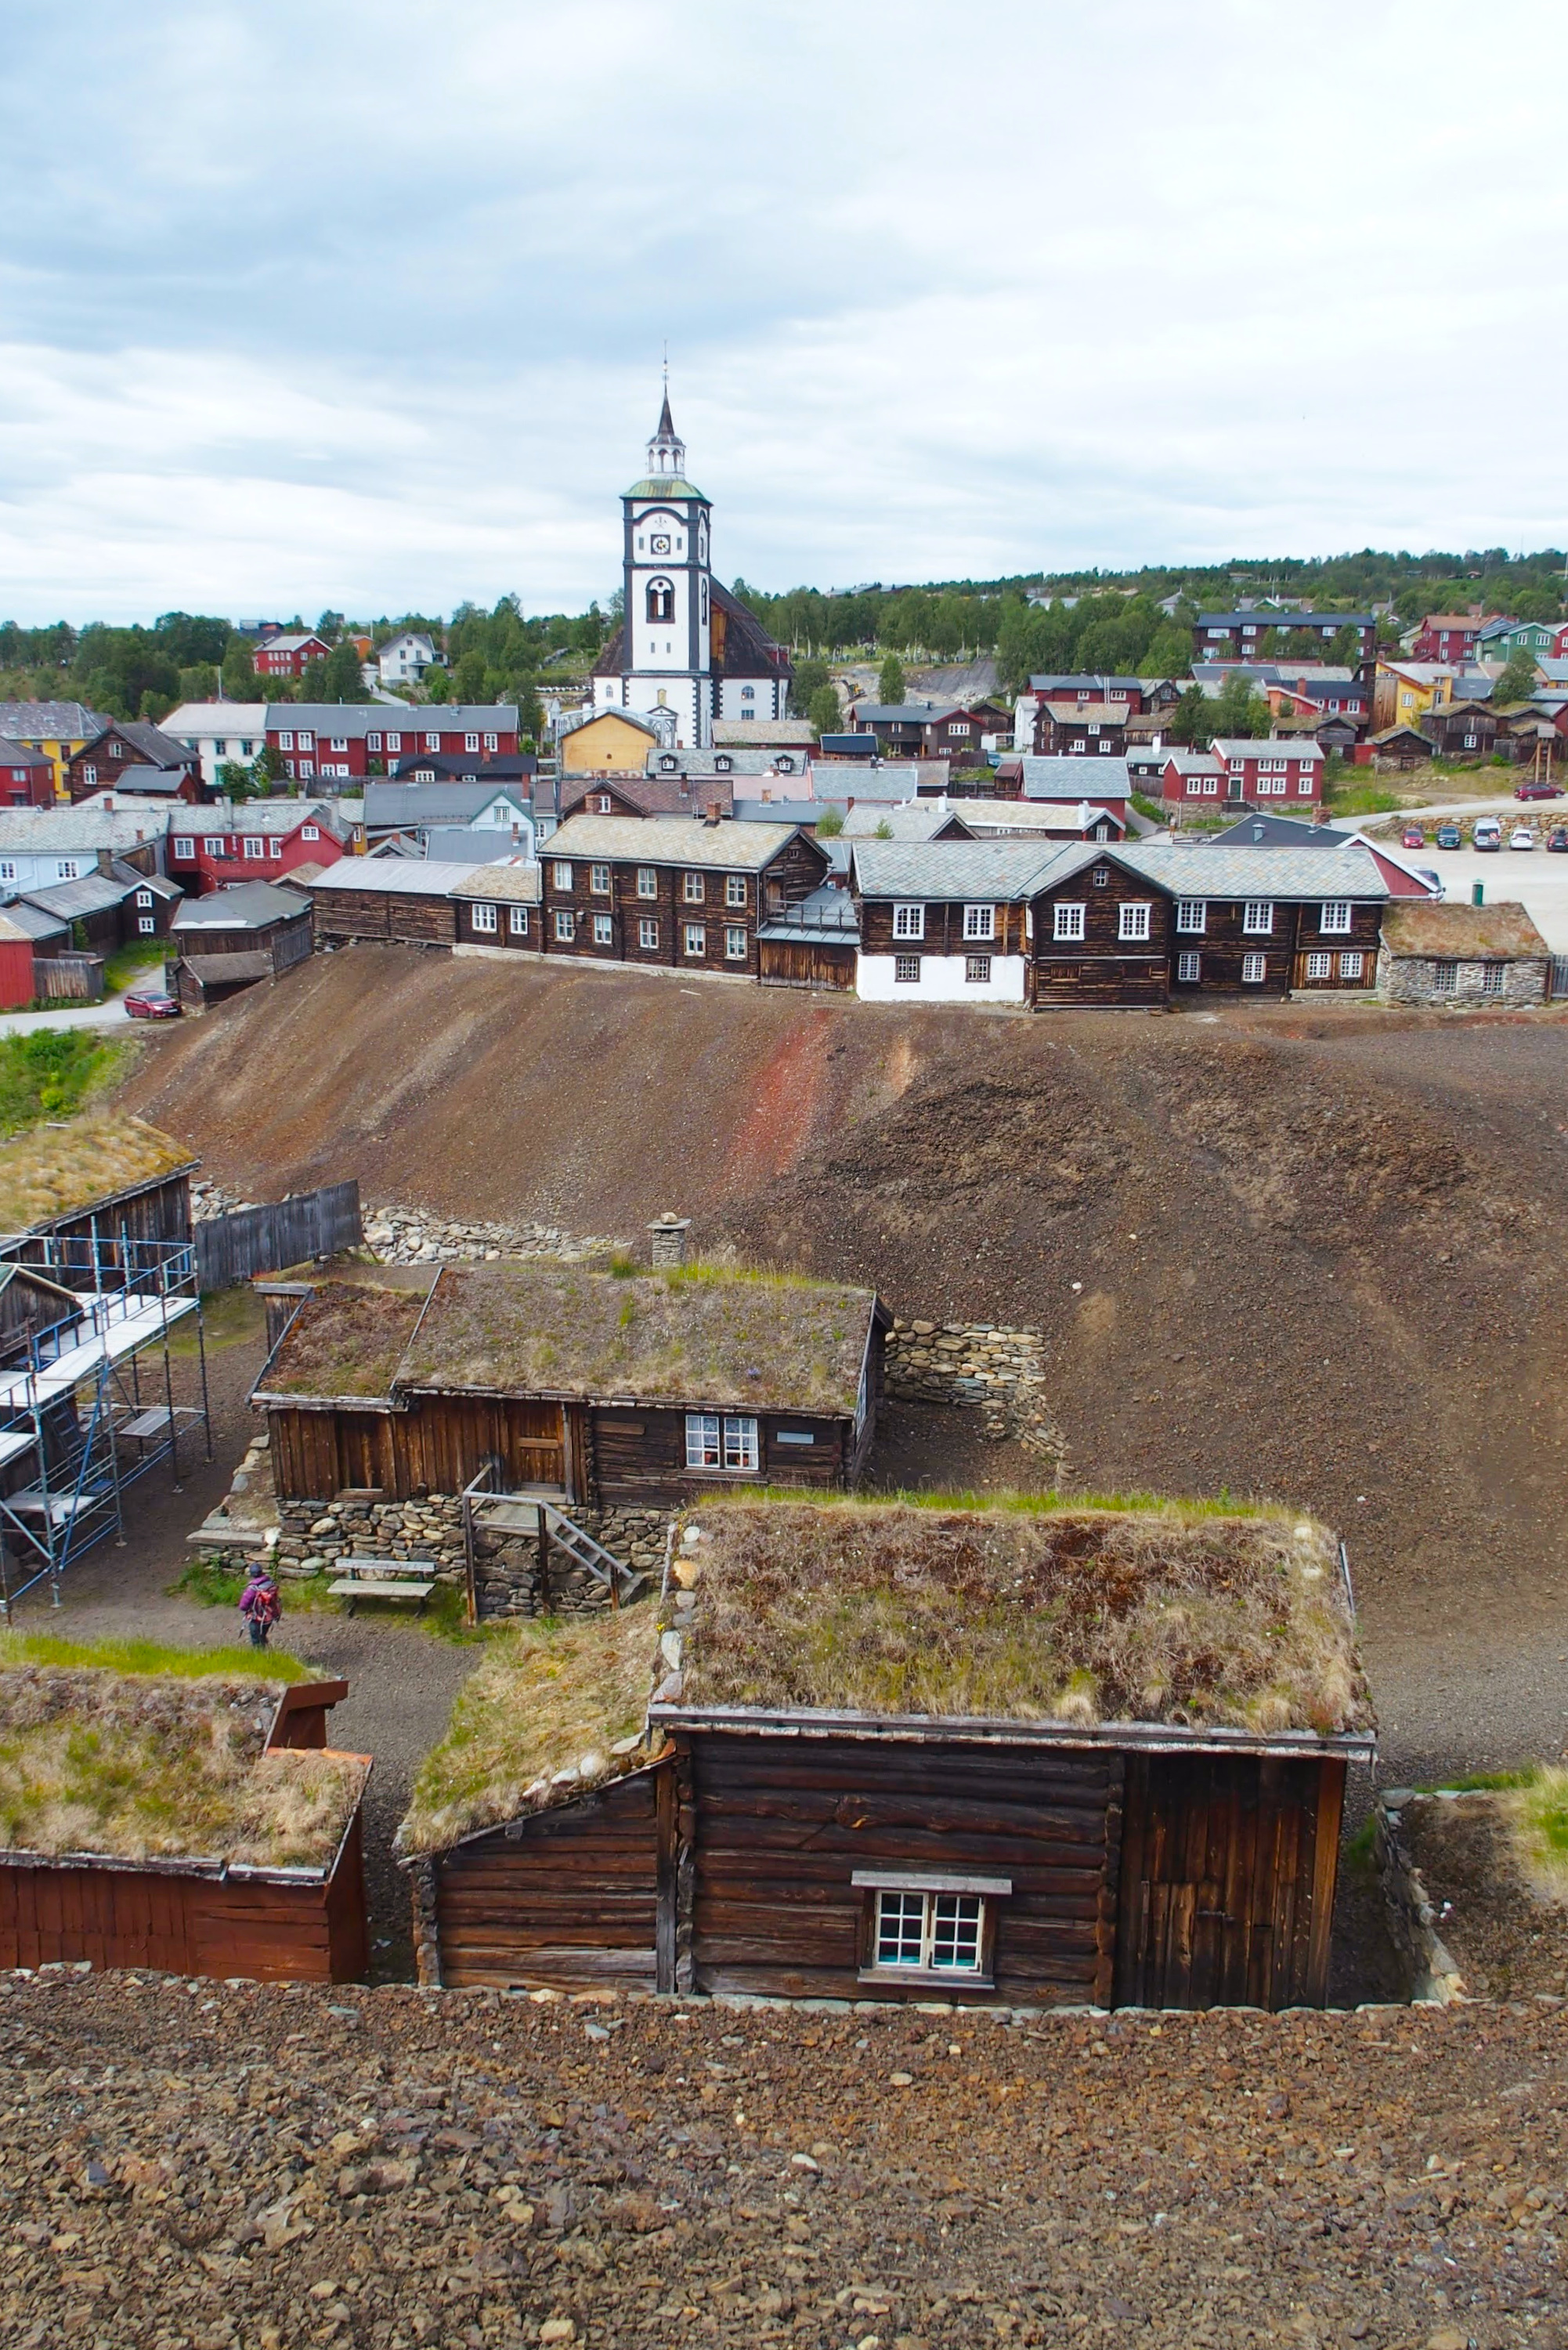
1403, 691
612, 742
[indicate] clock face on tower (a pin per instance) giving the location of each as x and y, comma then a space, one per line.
660, 543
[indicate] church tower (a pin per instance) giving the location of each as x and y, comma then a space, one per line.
667, 626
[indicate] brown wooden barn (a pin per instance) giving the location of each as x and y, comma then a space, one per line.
396, 898
218, 1857
584, 1385
1020, 1757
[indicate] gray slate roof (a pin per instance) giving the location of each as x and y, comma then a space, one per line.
669, 840
1074, 779
395, 877
1202, 870
977, 871
395, 806
912, 820
81, 830
71, 722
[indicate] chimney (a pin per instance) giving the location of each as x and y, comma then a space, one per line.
667, 1240
767, 792
108, 803
713, 815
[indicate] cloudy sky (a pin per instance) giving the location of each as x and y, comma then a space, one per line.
363, 306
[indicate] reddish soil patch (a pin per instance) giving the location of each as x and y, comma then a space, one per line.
1508, 1942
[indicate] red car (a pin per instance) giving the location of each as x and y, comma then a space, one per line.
1412, 837
1538, 791
151, 1004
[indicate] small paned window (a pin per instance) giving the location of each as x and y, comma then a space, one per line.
1102, 876
372, 741
146, 925
695, 938
1254, 968
563, 874
907, 970
1069, 923
144, 896
734, 943
1336, 916
1350, 965
470, 742
647, 934
598, 880
980, 921
604, 931
183, 847
492, 742
647, 881
1492, 977
692, 889
254, 847
1258, 918
908, 922
275, 847
734, 889
565, 925
1188, 969
309, 832
517, 922
722, 1440
1192, 915
485, 917
1445, 977
977, 970
1133, 919
1320, 966
432, 742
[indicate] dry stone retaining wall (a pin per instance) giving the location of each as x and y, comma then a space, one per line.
1435, 1978
999, 1371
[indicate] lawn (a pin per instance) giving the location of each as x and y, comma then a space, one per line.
143, 954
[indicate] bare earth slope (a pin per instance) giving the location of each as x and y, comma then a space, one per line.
1309, 1254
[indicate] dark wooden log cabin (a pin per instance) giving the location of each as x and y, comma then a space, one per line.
583, 1385
297, 1919
671, 892
1267, 920
110, 1179
386, 898
809, 1816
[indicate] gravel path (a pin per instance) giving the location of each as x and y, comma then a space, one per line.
187, 2165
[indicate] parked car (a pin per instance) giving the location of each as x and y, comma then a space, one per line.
1487, 833
1558, 840
1448, 836
1412, 837
151, 1004
1522, 837
1538, 791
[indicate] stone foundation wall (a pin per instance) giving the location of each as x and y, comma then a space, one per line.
1410, 979
999, 1371
1435, 1978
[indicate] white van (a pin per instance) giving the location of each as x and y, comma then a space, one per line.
1488, 832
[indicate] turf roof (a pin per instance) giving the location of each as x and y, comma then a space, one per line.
143, 1767
58, 1170
716, 1337
1039, 1614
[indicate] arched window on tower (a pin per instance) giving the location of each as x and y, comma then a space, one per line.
660, 600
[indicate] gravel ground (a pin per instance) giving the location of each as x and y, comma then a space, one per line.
196, 2167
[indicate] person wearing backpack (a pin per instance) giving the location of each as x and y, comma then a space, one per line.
260, 1604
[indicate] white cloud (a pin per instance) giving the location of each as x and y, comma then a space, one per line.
356, 306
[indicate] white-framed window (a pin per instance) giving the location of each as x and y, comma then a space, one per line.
603, 929
372, 741
692, 889
648, 933
483, 917
311, 832
275, 847
598, 880
977, 970
647, 881
1207, 785
1258, 918
307, 768
339, 743
907, 970
1188, 969
183, 847
394, 742
734, 889
286, 740
432, 742
492, 742
1193, 916
89, 774
565, 926
255, 847
1336, 916
929, 1926
68, 869
1351, 966
144, 898
694, 938
908, 922
217, 846
1254, 968
7, 868
470, 742
307, 740
517, 922
1102, 876
562, 876
1320, 966
980, 921
1445, 978
1492, 978
1069, 921
146, 925
1132, 918
722, 1440
734, 943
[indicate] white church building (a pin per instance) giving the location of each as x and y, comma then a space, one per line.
684, 644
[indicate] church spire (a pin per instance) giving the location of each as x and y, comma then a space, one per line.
667, 451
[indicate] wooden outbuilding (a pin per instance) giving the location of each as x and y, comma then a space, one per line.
399, 899
229, 1843
108, 1179
235, 937
1023, 1757
584, 1386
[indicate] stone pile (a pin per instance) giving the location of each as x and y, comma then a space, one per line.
210, 1200
1435, 1976
999, 1371
414, 1236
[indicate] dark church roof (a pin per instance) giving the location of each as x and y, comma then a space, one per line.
749, 650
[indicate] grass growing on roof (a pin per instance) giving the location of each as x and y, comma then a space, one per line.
52, 1171
552, 1695
55, 1071
1175, 1613
153, 1657
163, 1765
347, 1339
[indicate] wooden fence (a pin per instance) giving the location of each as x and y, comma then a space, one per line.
67, 978
269, 1238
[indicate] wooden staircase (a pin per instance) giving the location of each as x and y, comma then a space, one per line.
537, 1510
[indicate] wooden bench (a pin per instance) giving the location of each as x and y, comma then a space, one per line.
383, 1578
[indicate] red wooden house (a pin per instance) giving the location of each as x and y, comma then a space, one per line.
334, 742
26, 777
1450, 636
1271, 769
289, 654
259, 840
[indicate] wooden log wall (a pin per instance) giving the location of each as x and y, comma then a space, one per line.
806, 961
640, 1455
779, 1826
563, 1899
438, 1445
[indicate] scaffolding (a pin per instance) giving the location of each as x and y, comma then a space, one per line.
83, 1410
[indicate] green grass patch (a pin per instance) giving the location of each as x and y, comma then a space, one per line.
145, 954
55, 1071
153, 1657
1362, 799
1145, 806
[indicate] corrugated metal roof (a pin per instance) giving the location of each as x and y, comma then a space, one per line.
669, 840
